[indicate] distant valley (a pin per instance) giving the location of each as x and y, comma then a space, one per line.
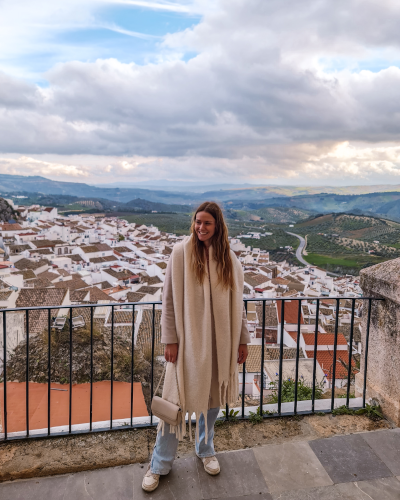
271, 204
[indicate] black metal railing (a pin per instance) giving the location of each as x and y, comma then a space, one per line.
6, 418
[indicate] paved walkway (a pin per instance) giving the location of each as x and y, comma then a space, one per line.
363, 466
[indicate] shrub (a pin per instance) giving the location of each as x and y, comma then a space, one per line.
304, 391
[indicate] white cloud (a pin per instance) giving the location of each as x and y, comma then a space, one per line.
31, 166
275, 92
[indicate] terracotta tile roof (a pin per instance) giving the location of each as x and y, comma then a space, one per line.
19, 248
96, 294
148, 290
153, 280
63, 272
148, 251
24, 264
102, 247
271, 318
41, 251
104, 285
279, 281
29, 297
48, 276
98, 260
345, 329
75, 257
124, 274
48, 243
135, 297
162, 265
10, 227
40, 283
5, 295
4, 285
324, 339
325, 360
291, 311
144, 337
90, 249
27, 274
123, 316
33, 297
122, 249
74, 284
79, 295
253, 363
254, 279
270, 334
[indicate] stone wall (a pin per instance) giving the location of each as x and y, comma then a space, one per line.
383, 364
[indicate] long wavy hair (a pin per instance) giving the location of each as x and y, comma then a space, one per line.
220, 244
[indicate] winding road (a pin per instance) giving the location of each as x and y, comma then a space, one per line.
299, 252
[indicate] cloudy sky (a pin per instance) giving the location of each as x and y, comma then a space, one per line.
241, 91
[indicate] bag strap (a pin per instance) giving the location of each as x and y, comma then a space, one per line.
176, 378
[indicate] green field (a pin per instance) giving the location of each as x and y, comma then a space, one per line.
342, 263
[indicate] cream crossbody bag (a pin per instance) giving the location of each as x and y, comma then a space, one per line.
165, 410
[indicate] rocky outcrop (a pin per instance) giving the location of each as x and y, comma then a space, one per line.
6, 211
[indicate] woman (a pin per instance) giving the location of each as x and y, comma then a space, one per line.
205, 331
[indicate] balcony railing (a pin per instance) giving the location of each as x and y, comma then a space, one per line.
64, 424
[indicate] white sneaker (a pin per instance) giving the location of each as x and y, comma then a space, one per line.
211, 465
150, 480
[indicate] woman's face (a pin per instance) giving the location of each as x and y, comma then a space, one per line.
204, 226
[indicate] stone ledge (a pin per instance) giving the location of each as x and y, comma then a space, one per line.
46, 457
382, 280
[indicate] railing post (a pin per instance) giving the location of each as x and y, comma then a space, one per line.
4, 375
380, 338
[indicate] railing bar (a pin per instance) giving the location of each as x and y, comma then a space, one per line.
49, 372
335, 354
353, 303
132, 360
112, 366
70, 372
281, 357
158, 302
27, 373
152, 362
91, 368
366, 350
315, 357
264, 300
296, 380
5, 373
244, 373
262, 360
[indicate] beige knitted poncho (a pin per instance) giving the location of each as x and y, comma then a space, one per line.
194, 331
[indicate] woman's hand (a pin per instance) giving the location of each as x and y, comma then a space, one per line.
171, 352
242, 354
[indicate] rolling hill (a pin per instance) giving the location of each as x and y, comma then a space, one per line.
320, 199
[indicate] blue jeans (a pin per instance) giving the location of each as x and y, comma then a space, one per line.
165, 448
